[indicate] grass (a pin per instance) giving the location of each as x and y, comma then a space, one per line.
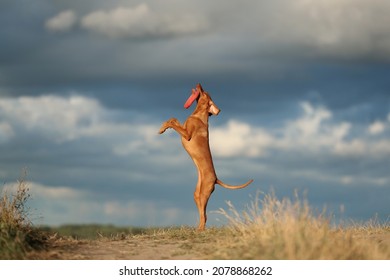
93, 231
289, 230
269, 228
275, 229
17, 235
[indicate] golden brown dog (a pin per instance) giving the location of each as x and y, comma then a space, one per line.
195, 139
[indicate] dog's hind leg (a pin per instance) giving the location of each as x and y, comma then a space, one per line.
201, 196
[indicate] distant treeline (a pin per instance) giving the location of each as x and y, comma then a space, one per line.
93, 231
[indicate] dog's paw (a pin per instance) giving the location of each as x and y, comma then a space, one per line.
162, 130
164, 127
168, 124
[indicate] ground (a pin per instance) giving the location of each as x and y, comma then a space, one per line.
168, 245
137, 249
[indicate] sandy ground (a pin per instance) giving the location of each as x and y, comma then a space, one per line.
146, 247
131, 248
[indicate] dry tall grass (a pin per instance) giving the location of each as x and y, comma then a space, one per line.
269, 229
289, 230
17, 236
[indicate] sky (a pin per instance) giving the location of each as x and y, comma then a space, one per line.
303, 87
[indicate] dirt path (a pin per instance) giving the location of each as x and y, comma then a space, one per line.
171, 245
130, 248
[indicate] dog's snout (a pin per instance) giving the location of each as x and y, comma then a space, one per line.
214, 109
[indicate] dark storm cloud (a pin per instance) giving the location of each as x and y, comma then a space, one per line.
268, 49
303, 87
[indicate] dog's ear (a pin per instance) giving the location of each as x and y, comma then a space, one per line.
199, 88
194, 95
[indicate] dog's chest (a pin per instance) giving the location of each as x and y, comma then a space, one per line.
202, 131
199, 138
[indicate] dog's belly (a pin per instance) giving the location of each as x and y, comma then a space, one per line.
199, 150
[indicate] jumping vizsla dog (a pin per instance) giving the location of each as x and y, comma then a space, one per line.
195, 139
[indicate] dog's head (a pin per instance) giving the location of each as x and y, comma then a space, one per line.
203, 99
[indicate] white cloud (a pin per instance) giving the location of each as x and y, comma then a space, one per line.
338, 28
313, 129
346, 180
355, 147
239, 139
51, 192
63, 21
59, 118
141, 21
314, 132
55, 205
40, 191
376, 128
310, 123
345, 27
64, 119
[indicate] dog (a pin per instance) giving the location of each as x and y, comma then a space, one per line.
195, 139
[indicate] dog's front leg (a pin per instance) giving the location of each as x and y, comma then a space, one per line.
175, 124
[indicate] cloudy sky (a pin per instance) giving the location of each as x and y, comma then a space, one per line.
303, 86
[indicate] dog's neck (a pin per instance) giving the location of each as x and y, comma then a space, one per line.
201, 114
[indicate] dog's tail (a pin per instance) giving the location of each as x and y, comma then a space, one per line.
219, 182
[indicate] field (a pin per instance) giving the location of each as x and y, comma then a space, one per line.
269, 229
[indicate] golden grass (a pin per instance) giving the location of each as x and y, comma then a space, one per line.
289, 230
17, 236
268, 229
